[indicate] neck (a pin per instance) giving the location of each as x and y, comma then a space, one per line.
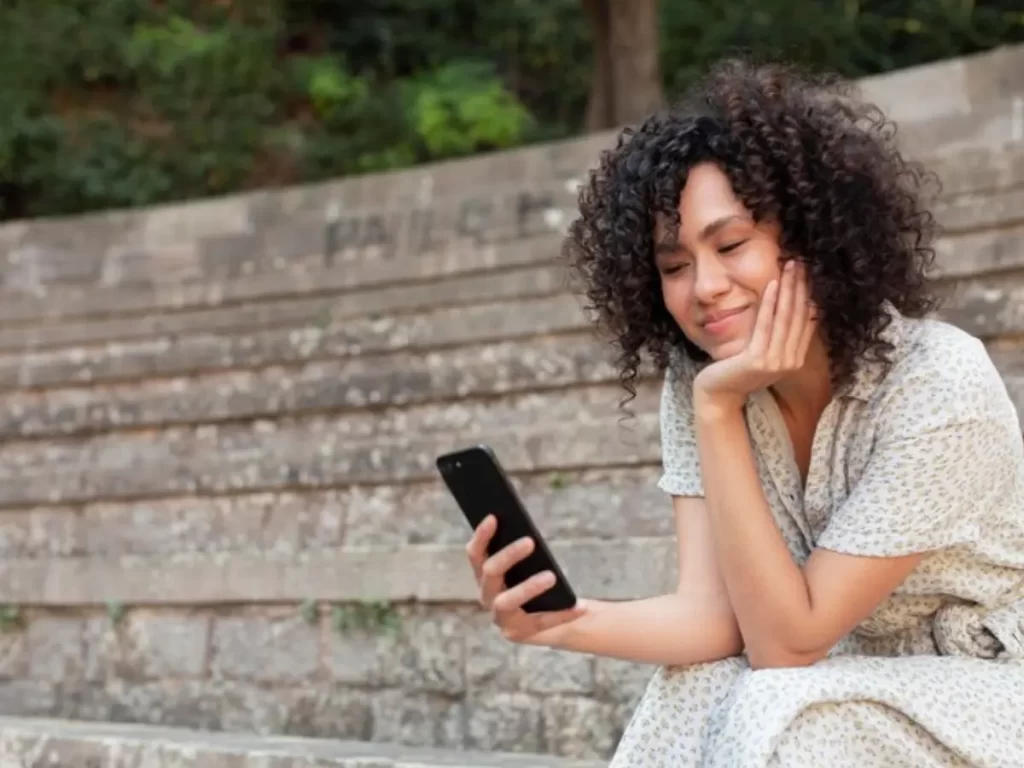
806, 392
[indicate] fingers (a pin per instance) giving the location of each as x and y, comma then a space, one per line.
476, 548
492, 581
762, 333
517, 625
555, 618
515, 597
810, 329
782, 324
797, 329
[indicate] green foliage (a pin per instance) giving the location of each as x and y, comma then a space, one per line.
310, 611
124, 103
854, 37
11, 619
374, 617
115, 611
463, 107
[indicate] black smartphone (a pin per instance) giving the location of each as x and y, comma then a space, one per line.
475, 478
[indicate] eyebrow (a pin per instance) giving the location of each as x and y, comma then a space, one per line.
708, 231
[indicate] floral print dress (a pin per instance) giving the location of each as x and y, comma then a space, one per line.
923, 455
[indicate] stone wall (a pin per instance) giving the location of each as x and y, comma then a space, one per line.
218, 507
59, 744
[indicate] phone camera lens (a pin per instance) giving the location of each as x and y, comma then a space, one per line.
458, 464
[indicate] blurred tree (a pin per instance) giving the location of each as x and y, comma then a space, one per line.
626, 82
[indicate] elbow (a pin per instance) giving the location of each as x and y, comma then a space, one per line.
762, 656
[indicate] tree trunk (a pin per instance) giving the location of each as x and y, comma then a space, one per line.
626, 82
600, 104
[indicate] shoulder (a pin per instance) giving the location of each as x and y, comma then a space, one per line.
677, 385
939, 370
942, 379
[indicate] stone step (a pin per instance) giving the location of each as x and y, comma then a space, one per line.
296, 312
103, 300
227, 273
567, 505
606, 569
537, 360
312, 453
539, 431
424, 333
400, 379
33, 743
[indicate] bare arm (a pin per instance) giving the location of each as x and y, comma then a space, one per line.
788, 616
694, 624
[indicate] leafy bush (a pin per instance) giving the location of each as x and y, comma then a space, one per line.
132, 102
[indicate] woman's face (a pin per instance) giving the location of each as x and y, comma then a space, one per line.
713, 276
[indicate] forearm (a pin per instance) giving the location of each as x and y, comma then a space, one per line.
666, 630
767, 589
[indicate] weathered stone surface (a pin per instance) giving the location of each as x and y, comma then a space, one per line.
29, 698
620, 569
979, 163
14, 656
278, 522
545, 670
166, 646
988, 307
424, 654
959, 257
938, 88
56, 648
417, 718
576, 726
978, 210
986, 124
492, 663
351, 383
164, 357
298, 311
55, 532
51, 743
621, 681
603, 504
976, 254
561, 431
284, 649
974, 170
459, 259
504, 721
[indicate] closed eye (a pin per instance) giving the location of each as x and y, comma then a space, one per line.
731, 246
671, 269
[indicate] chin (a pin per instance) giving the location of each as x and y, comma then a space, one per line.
726, 349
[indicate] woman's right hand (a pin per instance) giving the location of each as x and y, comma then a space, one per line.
505, 605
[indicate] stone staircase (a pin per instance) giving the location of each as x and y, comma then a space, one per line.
218, 507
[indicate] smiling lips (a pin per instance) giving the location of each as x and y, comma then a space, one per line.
719, 321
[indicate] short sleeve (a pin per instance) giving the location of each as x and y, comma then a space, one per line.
947, 450
681, 465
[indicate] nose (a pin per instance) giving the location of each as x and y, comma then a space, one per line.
711, 279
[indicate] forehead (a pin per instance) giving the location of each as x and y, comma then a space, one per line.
707, 193
707, 202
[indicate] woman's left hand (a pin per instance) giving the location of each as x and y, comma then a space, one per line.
783, 332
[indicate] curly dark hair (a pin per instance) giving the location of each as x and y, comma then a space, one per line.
798, 147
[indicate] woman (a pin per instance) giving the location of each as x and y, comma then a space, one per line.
846, 474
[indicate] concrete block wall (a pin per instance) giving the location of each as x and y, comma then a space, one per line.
218, 507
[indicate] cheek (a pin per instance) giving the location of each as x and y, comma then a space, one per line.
755, 270
678, 298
